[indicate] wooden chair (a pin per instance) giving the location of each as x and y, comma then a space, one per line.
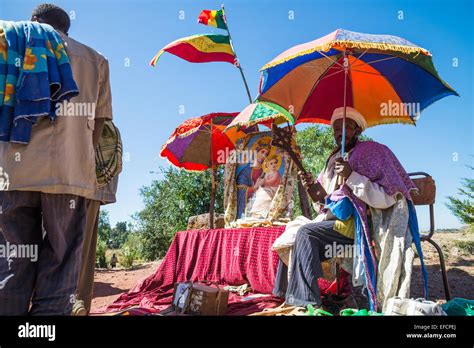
426, 196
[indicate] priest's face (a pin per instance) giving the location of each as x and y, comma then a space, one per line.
352, 131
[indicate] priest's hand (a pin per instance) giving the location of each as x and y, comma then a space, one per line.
314, 189
307, 179
342, 168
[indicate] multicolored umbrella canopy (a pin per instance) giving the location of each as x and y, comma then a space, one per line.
389, 79
261, 113
191, 144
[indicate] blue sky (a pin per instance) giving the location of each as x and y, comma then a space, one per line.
147, 101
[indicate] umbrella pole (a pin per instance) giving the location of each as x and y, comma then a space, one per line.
236, 59
213, 185
346, 67
213, 197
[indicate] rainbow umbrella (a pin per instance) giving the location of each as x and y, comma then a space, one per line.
386, 78
261, 113
199, 143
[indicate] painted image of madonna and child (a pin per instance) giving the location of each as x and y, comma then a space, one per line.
257, 181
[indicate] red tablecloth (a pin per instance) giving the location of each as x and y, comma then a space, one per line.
226, 256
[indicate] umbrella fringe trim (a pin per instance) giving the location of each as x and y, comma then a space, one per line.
186, 169
194, 170
189, 132
351, 44
411, 122
389, 121
256, 122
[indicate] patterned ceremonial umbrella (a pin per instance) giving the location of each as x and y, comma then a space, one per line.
386, 78
192, 143
261, 113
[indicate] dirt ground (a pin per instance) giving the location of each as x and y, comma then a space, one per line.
459, 266
109, 284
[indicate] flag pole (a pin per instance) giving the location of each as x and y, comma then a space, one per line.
237, 62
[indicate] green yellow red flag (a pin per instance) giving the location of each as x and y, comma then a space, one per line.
213, 18
200, 49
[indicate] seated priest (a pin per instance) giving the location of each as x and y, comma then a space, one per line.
369, 183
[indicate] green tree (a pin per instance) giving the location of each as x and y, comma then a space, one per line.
104, 228
316, 144
104, 231
463, 207
118, 235
169, 203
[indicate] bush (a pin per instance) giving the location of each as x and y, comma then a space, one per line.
100, 258
466, 246
469, 229
169, 203
129, 255
132, 250
463, 205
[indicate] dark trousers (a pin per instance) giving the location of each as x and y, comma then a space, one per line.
46, 285
309, 251
85, 285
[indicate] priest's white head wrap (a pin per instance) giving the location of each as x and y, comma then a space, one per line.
351, 113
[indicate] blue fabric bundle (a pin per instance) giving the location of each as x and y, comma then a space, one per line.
35, 75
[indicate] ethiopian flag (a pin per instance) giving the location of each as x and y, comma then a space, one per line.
200, 49
213, 18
